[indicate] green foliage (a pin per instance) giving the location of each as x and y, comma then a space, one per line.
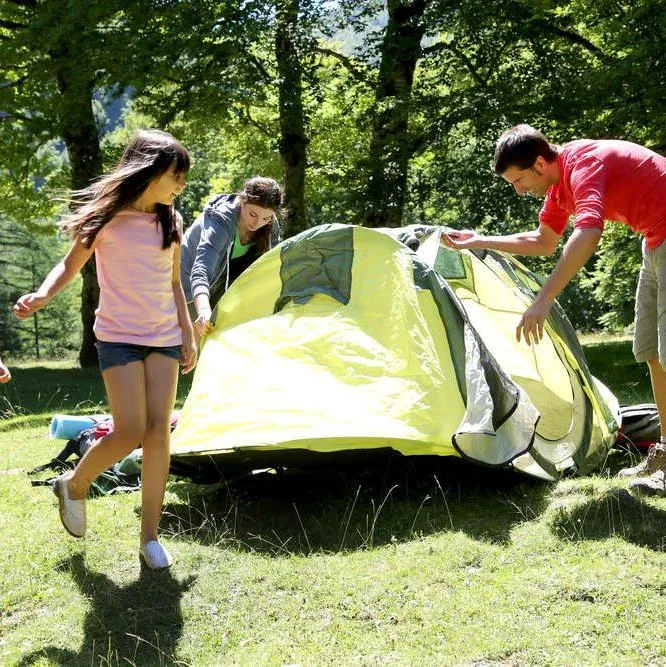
27, 257
338, 143
207, 72
625, 88
48, 49
202, 60
30, 177
615, 275
31, 174
571, 69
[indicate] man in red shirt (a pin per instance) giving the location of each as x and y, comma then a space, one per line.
593, 181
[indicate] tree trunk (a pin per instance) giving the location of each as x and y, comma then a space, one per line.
293, 140
390, 145
80, 134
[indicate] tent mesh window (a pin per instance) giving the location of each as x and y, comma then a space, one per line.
449, 264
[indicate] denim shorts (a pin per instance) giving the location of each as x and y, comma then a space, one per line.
120, 354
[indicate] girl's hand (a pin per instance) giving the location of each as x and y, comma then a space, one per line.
202, 324
28, 304
188, 354
5, 375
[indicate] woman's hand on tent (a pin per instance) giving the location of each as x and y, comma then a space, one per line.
28, 304
202, 324
531, 323
465, 239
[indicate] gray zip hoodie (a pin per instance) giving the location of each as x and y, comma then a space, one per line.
207, 246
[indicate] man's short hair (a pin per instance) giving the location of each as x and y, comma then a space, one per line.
519, 147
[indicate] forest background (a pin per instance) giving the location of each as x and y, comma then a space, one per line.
380, 113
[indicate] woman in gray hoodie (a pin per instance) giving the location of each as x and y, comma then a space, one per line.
223, 241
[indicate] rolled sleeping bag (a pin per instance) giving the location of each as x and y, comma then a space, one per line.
66, 427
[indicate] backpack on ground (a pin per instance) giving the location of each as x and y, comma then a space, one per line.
640, 425
116, 479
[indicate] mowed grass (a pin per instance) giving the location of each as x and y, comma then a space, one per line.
406, 562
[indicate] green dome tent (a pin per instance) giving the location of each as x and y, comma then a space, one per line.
351, 340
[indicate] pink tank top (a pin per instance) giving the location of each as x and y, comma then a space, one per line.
136, 300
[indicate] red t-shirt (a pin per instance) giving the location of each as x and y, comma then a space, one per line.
608, 180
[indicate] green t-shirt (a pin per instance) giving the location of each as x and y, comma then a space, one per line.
239, 249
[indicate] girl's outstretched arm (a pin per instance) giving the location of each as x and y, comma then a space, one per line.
59, 277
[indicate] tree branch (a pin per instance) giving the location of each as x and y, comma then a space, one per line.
569, 35
23, 3
443, 46
258, 65
11, 84
13, 116
11, 25
246, 115
347, 62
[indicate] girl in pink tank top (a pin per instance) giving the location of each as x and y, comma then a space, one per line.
142, 325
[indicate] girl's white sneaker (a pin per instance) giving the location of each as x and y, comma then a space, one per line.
72, 512
155, 556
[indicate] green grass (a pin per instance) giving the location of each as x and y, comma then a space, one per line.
39, 390
612, 361
425, 563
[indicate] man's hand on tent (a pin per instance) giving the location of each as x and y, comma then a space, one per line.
465, 239
531, 323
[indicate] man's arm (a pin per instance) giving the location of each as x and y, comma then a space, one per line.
541, 241
578, 249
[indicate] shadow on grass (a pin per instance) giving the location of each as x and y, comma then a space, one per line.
614, 513
341, 508
138, 624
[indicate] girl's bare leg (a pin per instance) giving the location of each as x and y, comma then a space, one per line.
161, 377
126, 392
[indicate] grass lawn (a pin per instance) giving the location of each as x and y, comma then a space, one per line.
432, 563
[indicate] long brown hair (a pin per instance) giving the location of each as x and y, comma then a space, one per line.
264, 192
149, 155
